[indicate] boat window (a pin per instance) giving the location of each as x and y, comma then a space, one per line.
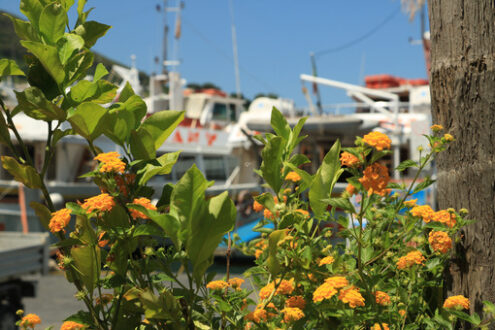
182, 165
215, 168
233, 115
220, 111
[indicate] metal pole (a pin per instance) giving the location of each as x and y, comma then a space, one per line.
165, 38
315, 74
234, 48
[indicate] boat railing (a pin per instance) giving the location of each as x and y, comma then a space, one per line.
339, 109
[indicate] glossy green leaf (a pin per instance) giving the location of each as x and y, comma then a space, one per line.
85, 232
135, 105
39, 77
25, 174
207, 232
272, 162
164, 200
341, 203
116, 218
77, 66
119, 124
87, 120
168, 223
33, 103
147, 230
9, 68
160, 166
187, 200
126, 92
67, 4
142, 145
294, 138
32, 10
100, 92
406, 164
272, 262
48, 56
280, 124
100, 72
52, 22
67, 45
267, 200
23, 29
87, 261
42, 212
324, 180
161, 124
91, 31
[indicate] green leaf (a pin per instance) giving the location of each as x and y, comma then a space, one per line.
67, 45
165, 197
9, 68
135, 105
294, 136
207, 232
48, 56
91, 31
42, 212
142, 145
32, 10
272, 262
87, 261
298, 160
272, 162
100, 71
25, 174
342, 203
161, 124
147, 230
306, 178
422, 185
116, 218
33, 103
87, 120
52, 22
168, 223
23, 29
80, 7
77, 66
324, 180
99, 92
406, 164
160, 166
266, 199
126, 92
187, 200
280, 124
67, 4
39, 77
4, 131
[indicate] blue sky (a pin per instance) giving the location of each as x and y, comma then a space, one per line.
274, 38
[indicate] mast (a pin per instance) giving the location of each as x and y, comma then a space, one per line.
234, 48
165, 38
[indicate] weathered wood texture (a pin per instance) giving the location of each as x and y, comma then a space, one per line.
463, 101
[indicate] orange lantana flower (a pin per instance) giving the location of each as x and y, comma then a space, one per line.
377, 140
423, 211
352, 297
382, 298
111, 162
326, 261
71, 325
440, 241
59, 220
445, 217
30, 321
375, 179
348, 159
217, 285
292, 314
457, 302
146, 203
236, 283
296, 301
257, 207
102, 203
410, 259
293, 176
